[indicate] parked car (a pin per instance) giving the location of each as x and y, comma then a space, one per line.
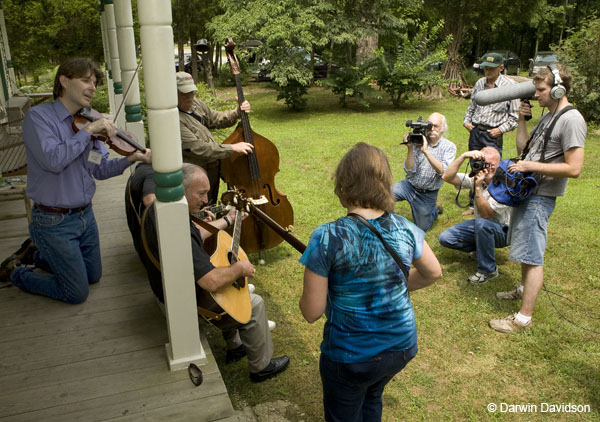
512, 62
541, 60
187, 63
320, 70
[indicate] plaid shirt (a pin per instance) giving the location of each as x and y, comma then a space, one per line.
502, 115
422, 175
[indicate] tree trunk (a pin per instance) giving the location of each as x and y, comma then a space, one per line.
217, 59
207, 66
453, 67
365, 48
194, 58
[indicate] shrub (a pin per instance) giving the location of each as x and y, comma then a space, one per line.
351, 82
406, 70
581, 55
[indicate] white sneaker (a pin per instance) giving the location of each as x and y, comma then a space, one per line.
272, 325
251, 287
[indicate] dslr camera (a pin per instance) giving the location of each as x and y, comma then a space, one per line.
420, 127
477, 166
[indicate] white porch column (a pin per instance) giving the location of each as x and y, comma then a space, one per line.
132, 109
115, 65
156, 36
106, 48
11, 83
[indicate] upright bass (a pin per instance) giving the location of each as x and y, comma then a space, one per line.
254, 176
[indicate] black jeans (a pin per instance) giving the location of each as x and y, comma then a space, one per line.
481, 138
352, 391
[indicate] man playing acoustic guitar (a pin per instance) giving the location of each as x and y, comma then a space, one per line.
252, 338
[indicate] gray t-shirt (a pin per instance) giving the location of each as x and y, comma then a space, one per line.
569, 132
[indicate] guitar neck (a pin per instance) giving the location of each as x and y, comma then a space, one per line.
237, 232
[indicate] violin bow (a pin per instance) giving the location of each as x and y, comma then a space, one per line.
127, 90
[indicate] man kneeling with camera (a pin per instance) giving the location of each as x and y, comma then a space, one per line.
429, 154
489, 229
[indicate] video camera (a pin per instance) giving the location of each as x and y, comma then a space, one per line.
420, 127
477, 166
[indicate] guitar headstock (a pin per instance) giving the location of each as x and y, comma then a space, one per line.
235, 198
233, 61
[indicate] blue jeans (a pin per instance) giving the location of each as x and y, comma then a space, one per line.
529, 230
352, 391
69, 249
480, 235
422, 205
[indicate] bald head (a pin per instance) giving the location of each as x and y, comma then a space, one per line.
196, 185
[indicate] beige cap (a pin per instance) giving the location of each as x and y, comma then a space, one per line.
185, 82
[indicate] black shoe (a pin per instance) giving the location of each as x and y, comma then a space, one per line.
274, 368
7, 267
233, 355
26, 251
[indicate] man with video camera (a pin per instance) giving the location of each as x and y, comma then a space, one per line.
553, 151
428, 156
489, 229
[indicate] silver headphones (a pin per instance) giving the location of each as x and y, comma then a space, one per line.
558, 90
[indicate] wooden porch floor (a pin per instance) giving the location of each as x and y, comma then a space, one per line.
104, 359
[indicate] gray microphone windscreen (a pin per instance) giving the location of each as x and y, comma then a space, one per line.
521, 90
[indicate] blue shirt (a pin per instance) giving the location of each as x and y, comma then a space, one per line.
59, 173
368, 308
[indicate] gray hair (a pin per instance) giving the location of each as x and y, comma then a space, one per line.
444, 130
189, 173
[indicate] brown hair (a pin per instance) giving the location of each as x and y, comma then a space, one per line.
77, 67
547, 76
363, 178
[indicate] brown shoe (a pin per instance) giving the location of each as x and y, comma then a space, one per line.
7, 267
26, 251
510, 295
510, 324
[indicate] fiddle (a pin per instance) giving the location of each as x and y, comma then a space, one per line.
124, 142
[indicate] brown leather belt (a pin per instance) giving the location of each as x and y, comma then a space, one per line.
211, 165
60, 210
484, 127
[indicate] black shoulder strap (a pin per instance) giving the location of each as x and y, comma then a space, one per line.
551, 128
200, 119
385, 244
546, 135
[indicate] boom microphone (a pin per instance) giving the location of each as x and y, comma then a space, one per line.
523, 90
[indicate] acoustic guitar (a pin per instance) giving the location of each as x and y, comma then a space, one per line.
229, 307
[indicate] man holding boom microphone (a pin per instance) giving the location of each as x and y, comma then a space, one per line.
554, 152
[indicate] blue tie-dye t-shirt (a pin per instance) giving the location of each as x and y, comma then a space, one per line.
368, 308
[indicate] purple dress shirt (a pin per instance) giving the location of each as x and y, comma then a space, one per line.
59, 173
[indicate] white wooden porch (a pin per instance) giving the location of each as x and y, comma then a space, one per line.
103, 359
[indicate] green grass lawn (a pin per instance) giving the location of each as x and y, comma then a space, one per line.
462, 365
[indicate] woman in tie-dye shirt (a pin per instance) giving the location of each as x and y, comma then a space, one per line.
370, 333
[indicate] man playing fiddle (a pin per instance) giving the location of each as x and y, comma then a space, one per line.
252, 339
195, 121
62, 167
